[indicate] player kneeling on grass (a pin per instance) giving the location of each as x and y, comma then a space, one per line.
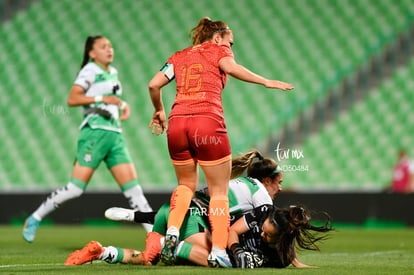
266, 237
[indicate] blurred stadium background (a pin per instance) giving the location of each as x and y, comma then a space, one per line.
339, 131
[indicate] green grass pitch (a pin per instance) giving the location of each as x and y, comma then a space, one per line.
355, 250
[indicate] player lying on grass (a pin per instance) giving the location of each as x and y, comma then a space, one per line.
194, 239
195, 251
260, 187
264, 237
268, 237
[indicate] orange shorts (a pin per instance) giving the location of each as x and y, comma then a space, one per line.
202, 138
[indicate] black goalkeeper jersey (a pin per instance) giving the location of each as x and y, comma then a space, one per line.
252, 241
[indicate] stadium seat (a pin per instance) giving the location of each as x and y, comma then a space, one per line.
312, 45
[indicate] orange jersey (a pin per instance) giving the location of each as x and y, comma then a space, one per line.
199, 80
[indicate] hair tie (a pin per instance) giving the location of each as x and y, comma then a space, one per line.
221, 30
207, 21
259, 156
277, 170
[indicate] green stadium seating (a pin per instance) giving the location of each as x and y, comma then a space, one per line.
311, 44
364, 153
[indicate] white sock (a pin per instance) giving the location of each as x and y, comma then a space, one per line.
138, 201
218, 251
56, 198
172, 230
109, 255
179, 246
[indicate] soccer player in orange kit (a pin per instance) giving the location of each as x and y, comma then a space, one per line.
197, 132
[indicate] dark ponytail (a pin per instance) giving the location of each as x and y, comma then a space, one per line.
259, 169
294, 228
90, 41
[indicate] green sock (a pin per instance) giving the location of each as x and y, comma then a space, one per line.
184, 249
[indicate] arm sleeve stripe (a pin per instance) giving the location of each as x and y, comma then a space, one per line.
168, 70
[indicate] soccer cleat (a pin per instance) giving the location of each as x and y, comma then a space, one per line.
215, 260
29, 228
120, 214
152, 248
167, 254
88, 253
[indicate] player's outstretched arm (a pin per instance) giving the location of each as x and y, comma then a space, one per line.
230, 67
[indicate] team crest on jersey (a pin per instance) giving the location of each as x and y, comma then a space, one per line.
87, 157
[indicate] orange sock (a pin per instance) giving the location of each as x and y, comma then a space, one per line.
220, 221
179, 204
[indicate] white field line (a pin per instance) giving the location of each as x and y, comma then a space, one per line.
373, 253
25, 265
34, 265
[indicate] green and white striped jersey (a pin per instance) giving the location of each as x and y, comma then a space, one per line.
246, 194
97, 81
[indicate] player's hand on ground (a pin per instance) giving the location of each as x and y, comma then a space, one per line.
297, 263
243, 259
